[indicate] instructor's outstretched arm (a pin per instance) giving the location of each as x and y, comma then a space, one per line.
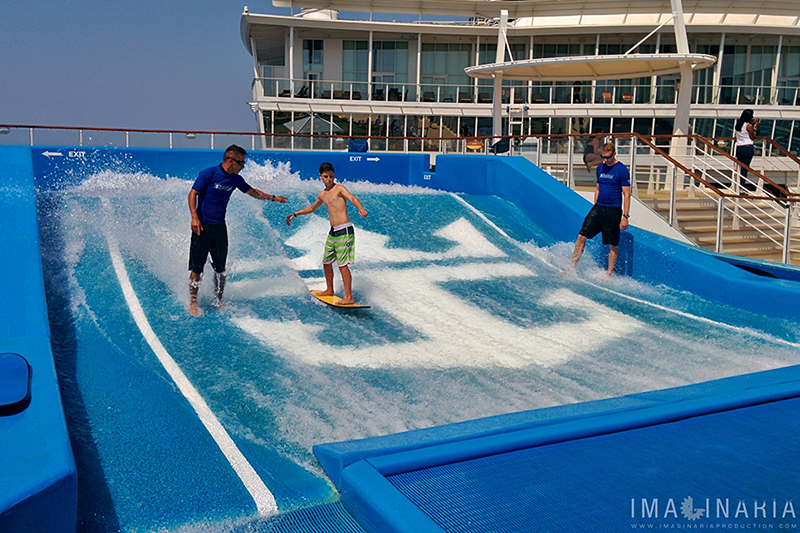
260, 195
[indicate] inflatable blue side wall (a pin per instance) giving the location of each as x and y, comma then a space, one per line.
37, 478
359, 468
38, 483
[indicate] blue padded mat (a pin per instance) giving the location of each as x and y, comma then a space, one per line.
324, 518
735, 469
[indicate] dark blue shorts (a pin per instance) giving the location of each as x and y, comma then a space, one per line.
603, 219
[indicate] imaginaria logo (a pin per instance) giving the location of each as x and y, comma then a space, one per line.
712, 508
688, 510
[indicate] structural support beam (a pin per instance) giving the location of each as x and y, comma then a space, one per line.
497, 114
685, 92
684, 100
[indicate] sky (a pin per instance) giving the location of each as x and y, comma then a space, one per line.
169, 64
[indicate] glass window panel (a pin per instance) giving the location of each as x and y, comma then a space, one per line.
360, 124
312, 55
643, 126
790, 62
487, 53
794, 146
348, 61
401, 61
622, 125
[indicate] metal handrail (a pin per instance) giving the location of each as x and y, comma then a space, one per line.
745, 209
750, 170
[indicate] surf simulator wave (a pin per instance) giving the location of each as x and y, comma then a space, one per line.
470, 317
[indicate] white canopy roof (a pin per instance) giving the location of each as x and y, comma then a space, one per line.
587, 68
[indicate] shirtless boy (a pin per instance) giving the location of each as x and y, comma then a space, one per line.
340, 245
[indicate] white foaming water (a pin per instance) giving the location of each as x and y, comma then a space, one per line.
465, 322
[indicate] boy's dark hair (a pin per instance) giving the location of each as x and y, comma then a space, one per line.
238, 150
325, 167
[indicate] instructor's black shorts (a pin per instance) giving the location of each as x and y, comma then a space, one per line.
605, 219
212, 240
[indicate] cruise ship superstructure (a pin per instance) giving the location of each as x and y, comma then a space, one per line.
345, 68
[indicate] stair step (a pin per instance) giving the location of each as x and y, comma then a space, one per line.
743, 248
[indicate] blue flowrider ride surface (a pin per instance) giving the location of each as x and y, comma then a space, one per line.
734, 469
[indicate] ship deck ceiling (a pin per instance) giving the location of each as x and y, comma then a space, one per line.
533, 8
267, 26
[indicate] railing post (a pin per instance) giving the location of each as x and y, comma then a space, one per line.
634, 187
673, 179
127, 139
80, 137
720, 214
170, 140
570, 177
30, 136
212, 141
787, 232
539, 156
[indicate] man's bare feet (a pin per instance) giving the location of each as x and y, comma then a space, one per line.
349, 301
219, 304
194, 310
569, 271
326, 292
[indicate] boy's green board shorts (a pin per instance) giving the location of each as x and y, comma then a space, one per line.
340, 246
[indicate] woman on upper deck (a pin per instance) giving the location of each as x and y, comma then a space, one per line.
745, 131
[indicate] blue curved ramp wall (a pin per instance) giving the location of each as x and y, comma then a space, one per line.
643, 255
38, 484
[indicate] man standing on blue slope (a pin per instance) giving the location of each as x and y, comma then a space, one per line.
611, 210
208, 202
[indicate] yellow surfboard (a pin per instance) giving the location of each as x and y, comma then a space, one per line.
331, 300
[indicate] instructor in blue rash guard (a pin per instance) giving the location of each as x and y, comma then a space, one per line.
208, 202
611, 210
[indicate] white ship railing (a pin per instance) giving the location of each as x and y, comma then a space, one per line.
544, 93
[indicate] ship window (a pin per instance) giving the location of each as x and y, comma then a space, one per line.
789, 76
312, 55
442, 71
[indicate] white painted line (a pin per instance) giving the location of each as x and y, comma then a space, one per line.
483, 217
265, 501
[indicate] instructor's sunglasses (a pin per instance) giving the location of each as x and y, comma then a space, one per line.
237, 161
604, 157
